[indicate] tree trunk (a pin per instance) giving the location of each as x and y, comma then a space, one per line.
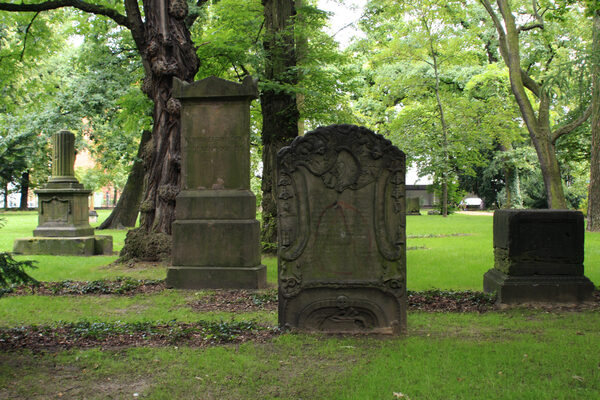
24, 190
445, 129
5, 195
126, 211
167, 50
593, 214
551, 173
279, 107
539, 128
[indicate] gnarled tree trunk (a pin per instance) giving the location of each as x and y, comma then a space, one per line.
279, 107
167, 50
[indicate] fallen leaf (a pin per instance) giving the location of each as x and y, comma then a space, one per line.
578, 378
500, 372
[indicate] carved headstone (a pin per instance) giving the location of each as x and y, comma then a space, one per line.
341, 232
538, 257
63, 213
216, 241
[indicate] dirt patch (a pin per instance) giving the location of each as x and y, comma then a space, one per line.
237, 301
55, 381
118, 335
121, 286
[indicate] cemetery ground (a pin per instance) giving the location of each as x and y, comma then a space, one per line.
91, 335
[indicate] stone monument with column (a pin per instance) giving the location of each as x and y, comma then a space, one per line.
216, 237
63, 224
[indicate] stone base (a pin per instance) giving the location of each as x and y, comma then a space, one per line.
67, 246
60, 232
537, 288
217, 277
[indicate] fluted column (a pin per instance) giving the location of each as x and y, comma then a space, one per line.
63, 156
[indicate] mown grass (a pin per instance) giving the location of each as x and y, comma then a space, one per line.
517, 353
449, 253
508, 355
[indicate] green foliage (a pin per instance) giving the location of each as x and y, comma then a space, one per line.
13, 272
455, 195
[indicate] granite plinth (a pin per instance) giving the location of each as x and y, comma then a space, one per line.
72, 246
224, 277
538, 257
537, 288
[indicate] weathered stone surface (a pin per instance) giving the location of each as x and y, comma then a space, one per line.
341, 232
218, 243
215, 232
63, 213
215, 204
538, 256
217, 277
73, 246
103, 244
413, 206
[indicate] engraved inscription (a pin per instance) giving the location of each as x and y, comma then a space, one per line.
56, 210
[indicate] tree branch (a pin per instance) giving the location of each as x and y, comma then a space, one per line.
26, 34
563, 130
56, 4
193, 15
530, 27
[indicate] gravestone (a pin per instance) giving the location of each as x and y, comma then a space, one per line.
63, 214
341, 232
538, 257
413, 206
216, 237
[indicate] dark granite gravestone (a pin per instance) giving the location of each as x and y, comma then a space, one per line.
538, 257
341, 232
63, 221
216, 241
413, 206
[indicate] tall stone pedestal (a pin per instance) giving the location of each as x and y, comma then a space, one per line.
538, 257
63, 214
216, 237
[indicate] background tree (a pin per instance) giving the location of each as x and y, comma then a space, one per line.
278, 103
593, 212
417, 70
547, 39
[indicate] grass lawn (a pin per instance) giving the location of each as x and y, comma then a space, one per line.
510, 354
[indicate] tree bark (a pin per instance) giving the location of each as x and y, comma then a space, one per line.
24, 190
279, 107
167, 50
5, 194
126, 211
593, 212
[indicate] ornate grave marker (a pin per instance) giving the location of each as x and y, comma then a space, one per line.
63, 214
538, 257
341, 232
216, 241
